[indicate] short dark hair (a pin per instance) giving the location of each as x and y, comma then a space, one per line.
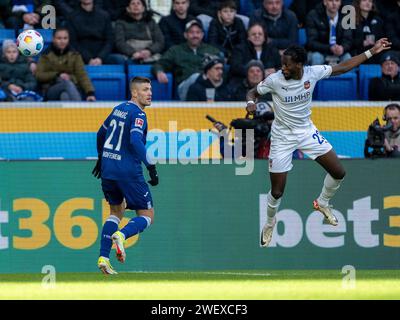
227, 4
59, 29
297, 53
138, 80
392, 106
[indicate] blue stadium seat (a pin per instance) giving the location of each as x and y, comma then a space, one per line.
343, 87
139, 68
109, 85
287, 3
302, 36
6, 34
47, 35
161, 92
106, 68
246, 8
367, 71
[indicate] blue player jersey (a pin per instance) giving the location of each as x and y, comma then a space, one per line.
121, 143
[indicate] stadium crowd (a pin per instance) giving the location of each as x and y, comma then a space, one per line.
210, 47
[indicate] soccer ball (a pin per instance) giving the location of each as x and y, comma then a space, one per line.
30, 43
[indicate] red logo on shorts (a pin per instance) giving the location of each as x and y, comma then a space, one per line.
139, 122
307, 85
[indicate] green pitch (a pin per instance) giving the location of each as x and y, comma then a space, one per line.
312, 284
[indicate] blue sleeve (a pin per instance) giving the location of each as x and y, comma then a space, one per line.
101, 136
138, 126
139, 147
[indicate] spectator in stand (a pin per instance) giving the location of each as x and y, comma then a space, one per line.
327, 41
226, 31
115, 8
210, 86
4, 13
386, 87
205, 10
61, 71
173, 25
185, 60
254, 75
64, 9
91, 34
392, 136
279, 23
137, 36
26, 14
207, 7
301, 8
393, 28
15, 76
386, 8
256, 47
369, 28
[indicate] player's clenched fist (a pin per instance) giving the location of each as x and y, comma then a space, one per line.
251, 107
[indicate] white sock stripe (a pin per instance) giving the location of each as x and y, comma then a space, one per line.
272, 202
114, 219
148, 219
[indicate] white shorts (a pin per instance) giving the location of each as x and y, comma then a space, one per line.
284, 142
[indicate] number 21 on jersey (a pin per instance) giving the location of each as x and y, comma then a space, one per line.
114, 125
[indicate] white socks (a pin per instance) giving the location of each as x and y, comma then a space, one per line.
328, 190
272, 208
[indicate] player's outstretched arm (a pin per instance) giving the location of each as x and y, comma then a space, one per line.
343, 67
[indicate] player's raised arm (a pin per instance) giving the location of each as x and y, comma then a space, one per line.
343, 67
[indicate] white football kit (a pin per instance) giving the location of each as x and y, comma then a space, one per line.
292, 128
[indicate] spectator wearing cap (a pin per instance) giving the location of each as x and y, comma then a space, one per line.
15, 75
369, 28
280, 23
256, 47
254, 75
137, 36
185, 60
393, 28
210, 86
327, 40
386, 87
173, 25
226, 30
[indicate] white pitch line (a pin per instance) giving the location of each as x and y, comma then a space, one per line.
206, 272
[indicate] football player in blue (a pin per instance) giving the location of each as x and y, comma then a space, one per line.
121, 150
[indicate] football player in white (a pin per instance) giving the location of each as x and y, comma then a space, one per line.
291, 89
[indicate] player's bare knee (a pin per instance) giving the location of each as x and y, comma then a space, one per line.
118, 210
277, 194
147, 213
339, 174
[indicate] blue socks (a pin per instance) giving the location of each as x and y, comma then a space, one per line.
109, 227
135, 226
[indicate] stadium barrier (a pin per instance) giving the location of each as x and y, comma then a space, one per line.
32, 131
207, 218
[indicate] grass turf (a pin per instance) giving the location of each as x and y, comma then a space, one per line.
218, 285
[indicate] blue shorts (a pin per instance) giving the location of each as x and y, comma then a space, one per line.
136, 194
